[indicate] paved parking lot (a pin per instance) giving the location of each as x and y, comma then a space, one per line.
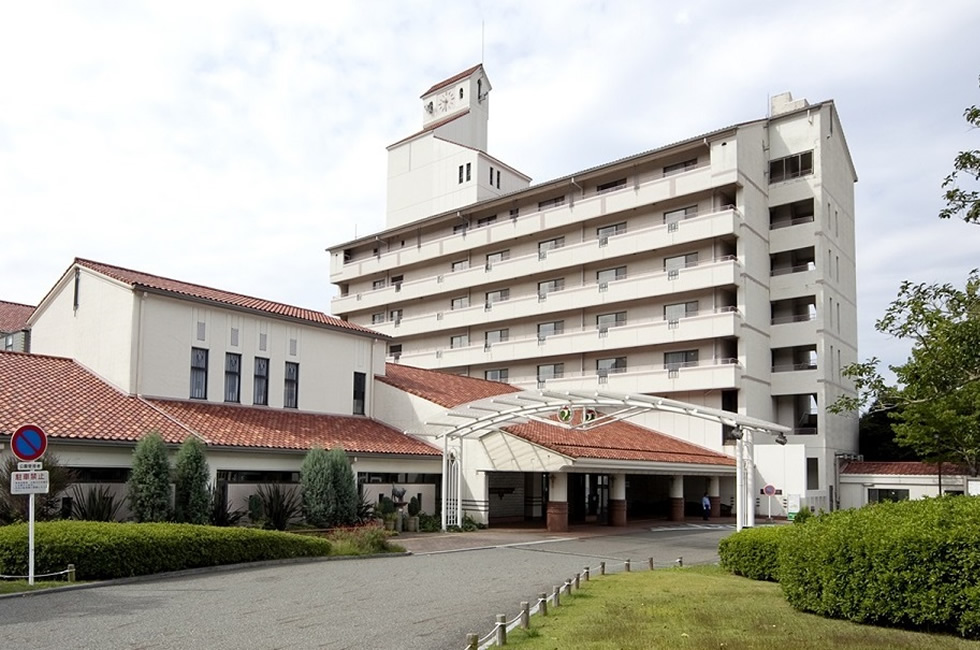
451, 585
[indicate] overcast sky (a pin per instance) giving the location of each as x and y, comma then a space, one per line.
230, 143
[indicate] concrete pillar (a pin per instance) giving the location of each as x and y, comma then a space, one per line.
558, 503
617, 500
714, 495
677, 498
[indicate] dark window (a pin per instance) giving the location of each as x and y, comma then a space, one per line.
460, 303
460, 173
877, 494
290, 394
260, 394
360, 383
485, 221
610, 186
459, 341
496, 374
491, 175
551, 203
460, 228
551, 371
378, 284
677, 168
233, 377
498, 179
795, 166
610, 366
813, 473
395, 351
467, 171
680, 359
199, 373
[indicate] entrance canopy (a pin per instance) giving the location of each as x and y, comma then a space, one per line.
486, 415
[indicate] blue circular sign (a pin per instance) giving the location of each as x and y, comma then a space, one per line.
29, 443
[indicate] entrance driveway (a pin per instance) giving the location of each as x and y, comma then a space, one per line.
430, 599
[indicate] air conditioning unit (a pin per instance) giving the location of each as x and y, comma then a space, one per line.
603, 241
672, 274
603, 286
672, 226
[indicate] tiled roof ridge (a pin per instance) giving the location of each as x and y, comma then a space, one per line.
135, 278
16, 304
174, 420
456, 77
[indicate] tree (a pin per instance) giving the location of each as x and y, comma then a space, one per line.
149, 481
192, 500
876, 437
344, 489
938, 387
314, 477
967, 163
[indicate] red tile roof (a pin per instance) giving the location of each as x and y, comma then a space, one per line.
138, 279
433, 127
69, 402
899, 468
442, 388
13, 316
618, 440
246, 426
453, 79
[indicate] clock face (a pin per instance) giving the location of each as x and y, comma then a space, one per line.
446, 101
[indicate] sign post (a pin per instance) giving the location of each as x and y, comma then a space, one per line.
28, 444
769, 491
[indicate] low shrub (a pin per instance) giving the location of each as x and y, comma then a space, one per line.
103, 550
429, 523
94, 504
754, 552
911, 564
364, 540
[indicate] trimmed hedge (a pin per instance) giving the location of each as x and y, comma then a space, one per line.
754, 552
105, 550
911, 564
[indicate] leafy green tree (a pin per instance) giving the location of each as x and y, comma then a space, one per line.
192, 500
149, 481
314, 477
938, 387
344, 489
961, 199
876, 437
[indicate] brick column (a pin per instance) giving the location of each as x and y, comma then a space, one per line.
617, 500
558, 503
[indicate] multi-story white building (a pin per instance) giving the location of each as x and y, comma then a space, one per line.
718, 271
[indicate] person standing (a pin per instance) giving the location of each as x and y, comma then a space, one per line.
705, 506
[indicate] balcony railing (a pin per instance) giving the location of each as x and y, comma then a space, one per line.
794, 318
793, 367
630, 370
786, 223
798, 268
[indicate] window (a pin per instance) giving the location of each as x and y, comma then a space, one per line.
546, 287
550, 245
395, 316
460, 303
485, 221
605, 232
795, 166
498, 179
515, 212
461, 93
395, 351
459, 341
496, 374
610, 186
377, 318
260, 392
813, 473
550, 371
499, 295
495, 336
551, 203
677, 168
491, 175
396, 281
460, 228
360, 386
674, 264
680, 359
199, 373
461, 265
604, 367
233, 377
263, 341
876, 495
605, 276
680, 310
672, 216
233, 337
460, 173
290, 394
604, 321
378, 284
8, 342
467, 171
499, 256
550, 329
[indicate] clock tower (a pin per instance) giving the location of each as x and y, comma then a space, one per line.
458, 108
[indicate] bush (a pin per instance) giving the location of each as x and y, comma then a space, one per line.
344, 489
365, 540
429, 523
804, 515
101, 551
280, 506
754, 552
192, 502
314, 476
911, 564
149, 481
413, 507
221, 514
94, 504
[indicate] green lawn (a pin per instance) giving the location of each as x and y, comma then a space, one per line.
700, 607
17, 586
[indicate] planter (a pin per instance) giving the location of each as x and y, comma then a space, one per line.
389, 524
411, 524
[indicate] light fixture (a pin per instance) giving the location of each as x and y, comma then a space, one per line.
737, 433
780, 439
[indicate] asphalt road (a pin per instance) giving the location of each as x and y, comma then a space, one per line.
426, 600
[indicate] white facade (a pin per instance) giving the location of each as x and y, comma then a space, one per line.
718, 271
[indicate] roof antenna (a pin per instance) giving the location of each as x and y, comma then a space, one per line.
483, 39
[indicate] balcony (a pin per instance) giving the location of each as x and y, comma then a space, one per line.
791, 330
723, 322
710, 374
725, 271
620, 199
